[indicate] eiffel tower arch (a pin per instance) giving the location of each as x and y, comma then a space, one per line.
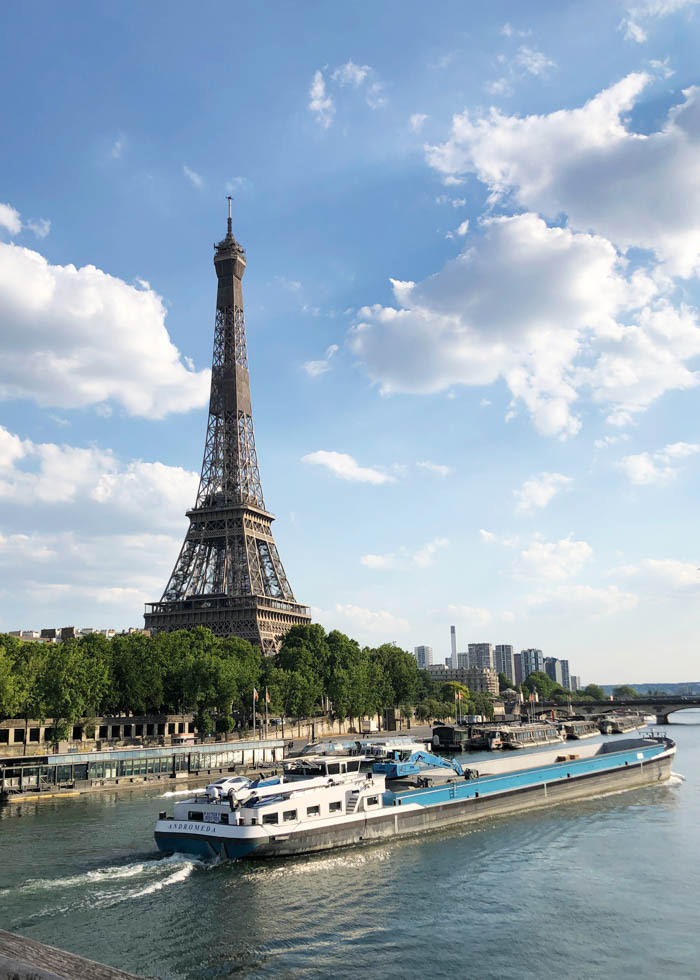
228, 575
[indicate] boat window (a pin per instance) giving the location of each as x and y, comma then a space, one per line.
270, 817
333, 768
289, 815
343, 767
335, 807
313, 811
224, 818
195, 815
371, 801
354, 766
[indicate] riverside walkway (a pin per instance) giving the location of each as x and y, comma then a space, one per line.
27, 959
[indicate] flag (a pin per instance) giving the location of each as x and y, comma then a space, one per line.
267, 696
255, 694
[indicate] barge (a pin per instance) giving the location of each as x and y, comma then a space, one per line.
321, 813
528, 736
578, 729
621, 724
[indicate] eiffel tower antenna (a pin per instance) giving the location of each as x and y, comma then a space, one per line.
228, 575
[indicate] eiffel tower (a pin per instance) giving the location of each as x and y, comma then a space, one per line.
228, 576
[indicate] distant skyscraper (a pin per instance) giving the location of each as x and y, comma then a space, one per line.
424, 656
462, 660
532, 660
558, 670
453, 645
481, 655
575, 682
552, 668
503, 660
518, 668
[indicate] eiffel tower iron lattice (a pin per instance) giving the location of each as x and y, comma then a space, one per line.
228, 575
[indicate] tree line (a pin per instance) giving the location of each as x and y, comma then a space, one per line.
214, 678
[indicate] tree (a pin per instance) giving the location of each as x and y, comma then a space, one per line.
594, 693
625, 691
503, 683
10, 695
542, 683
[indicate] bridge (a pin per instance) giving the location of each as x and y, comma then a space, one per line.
661, 705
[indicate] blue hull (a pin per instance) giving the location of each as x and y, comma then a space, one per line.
203, 847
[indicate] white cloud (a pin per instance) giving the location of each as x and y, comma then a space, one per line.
553, 560
118, 146
584, 600
86, 493
291, 285
374, 95
519, 304
659, 467
588, 164
509, 31
470, 615
487, 535
417, 121
41, 227
192, 175
439, 468
316, 368
533, 62
647, 10
661, 576
346, 467
10, 219
500, 86
45, 474
77, 337
320, 103
537, 492
611, 440
404, 558
351, 74
351, 618
238, 185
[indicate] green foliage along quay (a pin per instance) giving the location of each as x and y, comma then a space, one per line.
194, 671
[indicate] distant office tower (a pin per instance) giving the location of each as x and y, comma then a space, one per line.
503, 660
424, 656
552, 668
558, 670
518, 668
449, 663
575, 682
453, 645
462, 660
532, 660
481, 655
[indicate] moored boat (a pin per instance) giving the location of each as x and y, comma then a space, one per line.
621, 724
578, 729
320, 813
528, 736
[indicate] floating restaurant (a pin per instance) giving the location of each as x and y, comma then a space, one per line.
81, 772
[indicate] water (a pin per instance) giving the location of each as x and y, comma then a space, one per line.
590, 889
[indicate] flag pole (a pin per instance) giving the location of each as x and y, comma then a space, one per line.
267, 699
253, 712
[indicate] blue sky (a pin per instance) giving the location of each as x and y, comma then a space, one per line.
473, 242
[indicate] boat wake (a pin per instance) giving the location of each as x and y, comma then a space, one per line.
109, 886
676, 779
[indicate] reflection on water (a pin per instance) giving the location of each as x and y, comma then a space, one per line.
591, 889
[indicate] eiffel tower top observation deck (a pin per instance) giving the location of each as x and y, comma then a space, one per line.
228, 575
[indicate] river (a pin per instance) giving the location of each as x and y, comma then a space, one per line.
601, 888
